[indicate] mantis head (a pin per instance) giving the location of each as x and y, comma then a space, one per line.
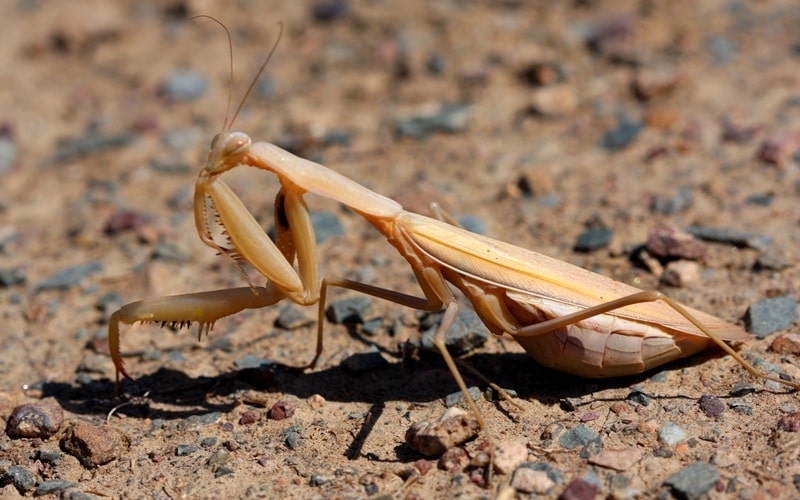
227, 150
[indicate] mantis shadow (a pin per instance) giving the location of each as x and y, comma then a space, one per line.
171, 394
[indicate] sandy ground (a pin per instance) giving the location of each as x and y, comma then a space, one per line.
99, 159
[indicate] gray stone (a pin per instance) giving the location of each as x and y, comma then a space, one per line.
577, 437
184, 85
770, 315
693, 481
69, 277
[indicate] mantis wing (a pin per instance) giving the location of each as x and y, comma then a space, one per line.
534, 274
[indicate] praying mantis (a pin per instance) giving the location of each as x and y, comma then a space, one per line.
565, 317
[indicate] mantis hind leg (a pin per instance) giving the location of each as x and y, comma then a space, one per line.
414, 302
638, 298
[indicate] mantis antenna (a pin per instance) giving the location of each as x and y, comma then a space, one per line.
227, 125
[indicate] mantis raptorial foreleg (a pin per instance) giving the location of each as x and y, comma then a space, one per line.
203, 308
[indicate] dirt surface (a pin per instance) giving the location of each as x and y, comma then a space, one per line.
99, 161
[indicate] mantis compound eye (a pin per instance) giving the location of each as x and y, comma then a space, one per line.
236, 146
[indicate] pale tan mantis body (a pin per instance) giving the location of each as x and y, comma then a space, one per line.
565, 317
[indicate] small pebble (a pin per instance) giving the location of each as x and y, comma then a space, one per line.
53, 486
638, 395
790, 423
183, 138
742, 389
249, 417
551, 431
659, 376
619, 460
49, 457
611, 38
669, 242
694, 481
680, 273
722, 49
622, 136
473, 224
12, 277
367, 360
761, 200
22, 479
508, 455
577, 437
541, 74
251, 361
467, 333
579, 489
9, 152
779, 149
292, 317
316, 402
661, 118
88, 144
593, 239
35, 420
171, 165
69, 277
454, 459
167, 251
349, 310
786, 344
741, 408
125, 220
326, 226
770, 315
737, 133
589, 416
184, 85
433, 437
773, 258
682, 199
457, 397
219, 457
372, 326
281, 410
451, 118
734, 237
435, 64
94, 445
671, 434
712, 406
183, 450
326, 11
292, 437
656, 81
554, 101
492, 395
320, 480
536, 477
223, 471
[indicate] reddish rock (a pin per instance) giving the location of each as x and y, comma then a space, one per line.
432, 438
36, 420
790, 422
672, 243
94, 445
281, 411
